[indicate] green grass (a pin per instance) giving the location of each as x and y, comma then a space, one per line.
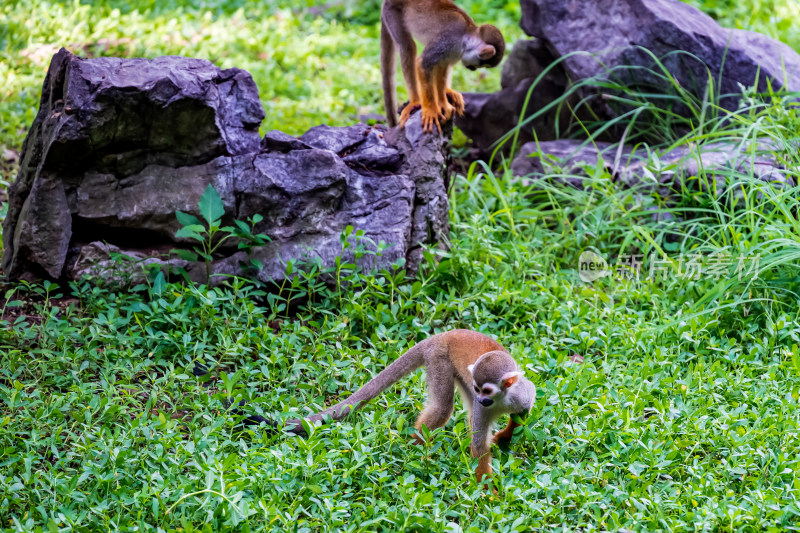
678, 419
684, 414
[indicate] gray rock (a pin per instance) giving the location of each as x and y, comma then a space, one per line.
375, 153
425, 154
292, 206
664, 172
622, 33
337, 140
148, 199
151, 135
528, 58
567, 160
278, 141
115, 117
42, 233
724, 163
489, 117
618, 40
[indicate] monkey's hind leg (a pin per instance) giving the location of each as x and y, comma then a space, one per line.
441, 391
408, 110
408, 61
430, 101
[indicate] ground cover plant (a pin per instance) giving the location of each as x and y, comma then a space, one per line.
666, 402
653, 412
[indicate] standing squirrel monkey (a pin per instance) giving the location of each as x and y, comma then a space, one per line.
449, 35
486, 376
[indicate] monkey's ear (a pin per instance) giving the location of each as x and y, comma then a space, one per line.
486, 51
509, 378
470, 368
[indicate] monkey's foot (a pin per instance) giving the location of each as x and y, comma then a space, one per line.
456, 100
405, 114
446, 111
430, 116
484, 480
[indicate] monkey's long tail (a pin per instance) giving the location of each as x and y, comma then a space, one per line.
388, 76
404, 365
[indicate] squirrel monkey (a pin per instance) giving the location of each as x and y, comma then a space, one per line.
486, 376
449, 35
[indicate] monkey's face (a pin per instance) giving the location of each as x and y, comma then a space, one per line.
493, 376
493, 394
494, 40
486, 393
479, 56
484, 48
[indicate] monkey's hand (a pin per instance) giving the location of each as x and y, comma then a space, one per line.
503, 437
430, 116
405, 114
456, 100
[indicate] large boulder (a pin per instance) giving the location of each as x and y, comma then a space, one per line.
119, 145
620, 41
669, 173
619, 34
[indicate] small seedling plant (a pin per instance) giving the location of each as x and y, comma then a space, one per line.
211, 235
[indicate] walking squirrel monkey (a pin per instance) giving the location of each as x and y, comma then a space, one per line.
449, 35
486, 376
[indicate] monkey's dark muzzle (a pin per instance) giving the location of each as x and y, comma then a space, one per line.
486, 402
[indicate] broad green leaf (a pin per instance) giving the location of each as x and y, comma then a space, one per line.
211, 205
191, 232
187, 220
186, 255
159, 284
